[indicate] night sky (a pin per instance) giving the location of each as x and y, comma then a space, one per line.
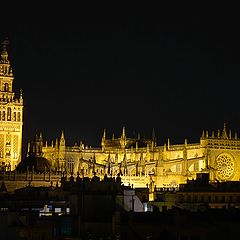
172, 69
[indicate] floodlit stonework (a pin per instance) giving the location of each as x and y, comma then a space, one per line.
142, 161
11, 114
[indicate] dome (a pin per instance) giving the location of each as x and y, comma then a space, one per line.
36, 163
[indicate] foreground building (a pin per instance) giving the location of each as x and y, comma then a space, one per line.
92, 209
199, 195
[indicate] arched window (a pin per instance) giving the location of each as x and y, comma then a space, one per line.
18, 117
0, 115
6, 87
14, 116
3, 116
9, 114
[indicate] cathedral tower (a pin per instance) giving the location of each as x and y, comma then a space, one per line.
11, 114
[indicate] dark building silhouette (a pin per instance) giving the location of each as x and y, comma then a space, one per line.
35, 161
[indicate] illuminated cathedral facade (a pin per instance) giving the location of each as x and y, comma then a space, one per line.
141, 161
11, 114
138, 160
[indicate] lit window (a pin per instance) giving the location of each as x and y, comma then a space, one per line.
18, 117
9, 112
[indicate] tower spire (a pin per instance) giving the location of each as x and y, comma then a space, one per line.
62, 139
224, 133
123, 133
104, 134
103, 139
21, 94
203, 134
154, 139
5, 68
123, 139
168, 144
4, 53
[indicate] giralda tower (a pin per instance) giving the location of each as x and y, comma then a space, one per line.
11, 114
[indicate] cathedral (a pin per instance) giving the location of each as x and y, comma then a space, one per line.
141, 162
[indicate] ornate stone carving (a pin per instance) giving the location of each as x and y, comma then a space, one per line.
225, 166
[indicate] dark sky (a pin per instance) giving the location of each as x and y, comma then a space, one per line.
174, 69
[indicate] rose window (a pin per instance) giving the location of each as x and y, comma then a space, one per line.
224, 166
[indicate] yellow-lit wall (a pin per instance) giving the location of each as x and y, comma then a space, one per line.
11, 115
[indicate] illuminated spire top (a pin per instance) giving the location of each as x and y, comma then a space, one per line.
123, 138
123, 132
103, 139
168, 143
203, 134
21, 93
5, 68
224, 133
40, 136
62, 135
104, 134
212, 134
62, 139
4, 53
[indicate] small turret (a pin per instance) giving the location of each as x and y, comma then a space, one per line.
218, 134
123, 133
224, 132
40, 136
36, 145
81, 146
41, 140
56, 143
62, 139
103, 140
21, 95
154, 139
206, 134
123, 139
212, 134
28, 148
203, 134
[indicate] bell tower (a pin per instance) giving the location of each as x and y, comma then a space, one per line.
11, 114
